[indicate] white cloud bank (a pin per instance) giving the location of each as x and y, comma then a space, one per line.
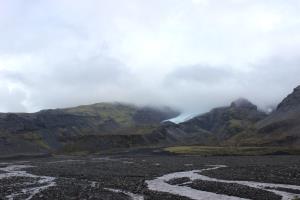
190, 54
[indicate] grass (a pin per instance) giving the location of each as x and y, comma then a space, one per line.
232, 151
119, 112
36, 138
136, 130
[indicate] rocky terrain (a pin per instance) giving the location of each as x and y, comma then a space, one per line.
49, 130
243, 124
151, 176
225, 122
282, 127
110, 126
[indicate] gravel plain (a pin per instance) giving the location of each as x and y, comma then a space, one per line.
99, 177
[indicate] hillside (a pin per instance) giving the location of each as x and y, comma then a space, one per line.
48, 130
105, 126
282, 127
242, 124
226, 122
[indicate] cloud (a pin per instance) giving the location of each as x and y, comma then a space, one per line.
12, 76
12, 99
201, 74
201, 87
95, 70
190, 54
73, 82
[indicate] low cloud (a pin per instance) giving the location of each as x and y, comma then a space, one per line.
192, 55
12, 100
201, 74
200, 88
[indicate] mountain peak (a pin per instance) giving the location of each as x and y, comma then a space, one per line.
291, 101
243, 103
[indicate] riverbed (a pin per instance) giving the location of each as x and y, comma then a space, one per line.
143, 177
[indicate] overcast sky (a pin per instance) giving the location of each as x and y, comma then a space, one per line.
189, 54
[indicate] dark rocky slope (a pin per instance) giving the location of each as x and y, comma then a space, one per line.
217, 126
240, 124
282, 127
113, 125
168, 134
225, 122
50, 130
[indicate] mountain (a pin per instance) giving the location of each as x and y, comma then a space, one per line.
105, 126
216, 127
167, 134
225, 122
282, 127
48, 130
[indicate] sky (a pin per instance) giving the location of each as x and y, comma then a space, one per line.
192, 55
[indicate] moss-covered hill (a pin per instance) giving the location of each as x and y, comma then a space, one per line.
115, 125
52, 129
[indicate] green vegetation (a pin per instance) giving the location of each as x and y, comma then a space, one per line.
232, 151
119, 112
36, 138
73, 148
136, 130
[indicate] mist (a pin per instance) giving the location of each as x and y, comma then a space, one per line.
192, 55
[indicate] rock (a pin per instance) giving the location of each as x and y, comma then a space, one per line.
243, 103
282, 127
291, 101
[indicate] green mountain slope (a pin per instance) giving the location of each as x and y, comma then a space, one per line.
52, 129
105, 126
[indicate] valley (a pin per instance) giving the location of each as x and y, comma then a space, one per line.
151, 176
115, 151
149, 100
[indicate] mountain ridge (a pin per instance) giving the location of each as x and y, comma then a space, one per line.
115, 125
284, 122
52, 129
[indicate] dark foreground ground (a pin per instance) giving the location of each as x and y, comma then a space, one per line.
89, 177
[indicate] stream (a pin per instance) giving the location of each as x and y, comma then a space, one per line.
160, 185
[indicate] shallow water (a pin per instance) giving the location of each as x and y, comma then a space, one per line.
42, 182
131, 195
37, 184
160, 184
